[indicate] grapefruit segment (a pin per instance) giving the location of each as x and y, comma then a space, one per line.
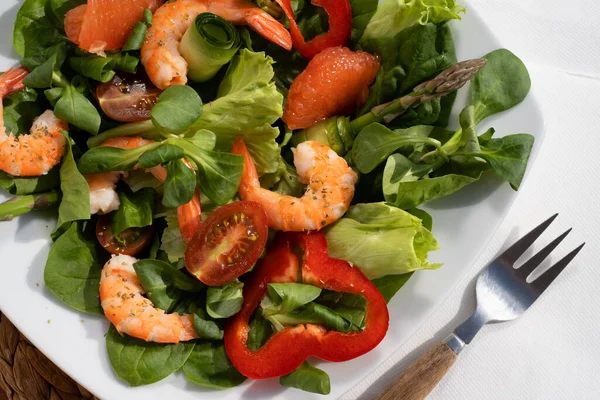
102, 25
335, 82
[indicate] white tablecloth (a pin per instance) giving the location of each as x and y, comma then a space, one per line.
552, 351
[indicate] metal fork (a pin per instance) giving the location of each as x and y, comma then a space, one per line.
503, 294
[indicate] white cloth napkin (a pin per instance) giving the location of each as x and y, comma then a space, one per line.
552, 351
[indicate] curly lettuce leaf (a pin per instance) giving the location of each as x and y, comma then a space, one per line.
393, 16
381, 240
247, 104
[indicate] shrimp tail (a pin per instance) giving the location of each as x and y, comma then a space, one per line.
249, 179
269, 28
12, 81
189, 217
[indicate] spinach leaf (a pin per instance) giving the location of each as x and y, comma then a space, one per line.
403, 187
179, 185
165, 284
75, 204
105, 159
73, 269
416, 53
35, 32
156, 279
178, 107
381, 240
224, 301
260, 331
307, 378
48, 73
76, 109
141, 363
20, 109
390, 284
208, 365
171, 241
286, 297
16, 185
205, 326
500, 85
161, 155
136, 210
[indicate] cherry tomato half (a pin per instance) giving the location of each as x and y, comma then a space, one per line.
130, 242
127, 97
228, 243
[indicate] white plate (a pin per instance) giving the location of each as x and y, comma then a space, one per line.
463, 224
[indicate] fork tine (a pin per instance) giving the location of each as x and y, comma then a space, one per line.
515, 251
541, 283
531, 264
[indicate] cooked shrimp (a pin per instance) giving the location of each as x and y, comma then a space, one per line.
104, 198
38, 152
160, 54
328, 195
130, 312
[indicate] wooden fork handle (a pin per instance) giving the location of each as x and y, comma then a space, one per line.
418, 380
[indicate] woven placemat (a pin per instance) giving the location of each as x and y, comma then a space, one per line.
26, 374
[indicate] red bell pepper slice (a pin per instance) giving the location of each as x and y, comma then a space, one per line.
340, 27
286, 350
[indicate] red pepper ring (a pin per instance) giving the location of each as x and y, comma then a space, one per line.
287, 349
340, 27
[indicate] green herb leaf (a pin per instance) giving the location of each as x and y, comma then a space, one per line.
75, 204
286, 297
136, 210
141, 363
177, 109
98, 68
76, 109
307, 378
161, 155
171, 241
209, 366
205, 326
224, 301
508, 156
179, 185
20, 109
375, 143
105, 158
260, 331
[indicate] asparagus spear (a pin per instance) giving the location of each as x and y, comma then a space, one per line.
339, 132
19, 205
448, 81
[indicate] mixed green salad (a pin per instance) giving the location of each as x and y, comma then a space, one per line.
164, 173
